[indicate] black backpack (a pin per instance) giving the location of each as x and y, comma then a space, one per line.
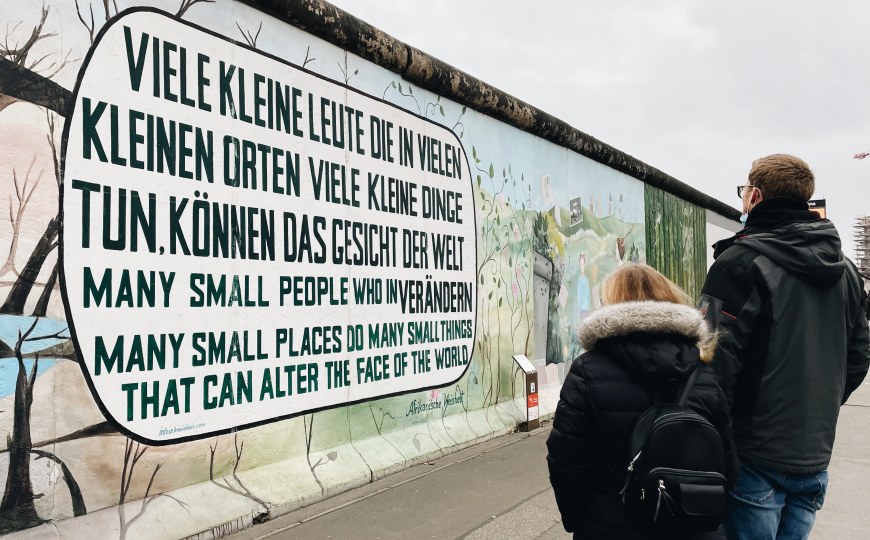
676, 472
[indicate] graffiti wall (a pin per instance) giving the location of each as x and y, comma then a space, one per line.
245, 265
677, 239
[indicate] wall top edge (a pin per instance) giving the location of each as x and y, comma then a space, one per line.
336, 26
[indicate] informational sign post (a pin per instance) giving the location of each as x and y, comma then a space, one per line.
245, 241
533, 416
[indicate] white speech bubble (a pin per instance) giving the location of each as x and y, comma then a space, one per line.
227, 259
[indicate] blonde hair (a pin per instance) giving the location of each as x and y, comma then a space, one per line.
643, 283
638, 283
782, 175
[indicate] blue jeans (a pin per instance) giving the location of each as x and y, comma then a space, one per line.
767, 504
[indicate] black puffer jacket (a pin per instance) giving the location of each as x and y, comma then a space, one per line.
636, 352
795, 342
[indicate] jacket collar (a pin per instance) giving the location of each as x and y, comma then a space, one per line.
774, 213
768, 215
641, 317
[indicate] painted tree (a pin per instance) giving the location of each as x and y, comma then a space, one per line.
187, 4
17, 509
504, 273
29, 75
133, 452
24, 79
23, 193
239, 489
41, 308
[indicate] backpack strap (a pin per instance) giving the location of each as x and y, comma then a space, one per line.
690, 381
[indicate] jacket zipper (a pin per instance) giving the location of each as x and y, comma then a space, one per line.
628, 475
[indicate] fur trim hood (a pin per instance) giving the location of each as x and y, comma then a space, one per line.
641, 317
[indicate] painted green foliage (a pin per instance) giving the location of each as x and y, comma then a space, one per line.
504, 276
676, 239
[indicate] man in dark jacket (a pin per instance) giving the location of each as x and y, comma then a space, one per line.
794, 345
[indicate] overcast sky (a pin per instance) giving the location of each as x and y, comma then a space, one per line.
696, 89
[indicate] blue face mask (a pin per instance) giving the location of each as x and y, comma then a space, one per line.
743, 218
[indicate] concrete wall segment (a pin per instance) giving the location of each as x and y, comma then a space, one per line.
551, 210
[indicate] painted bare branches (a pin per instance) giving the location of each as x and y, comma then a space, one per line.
23, 193
19, 53
26, 77
241, 490
26, 280
41, 308
250, 39
345, 71
307, 59
91, 26
133, 452
187, 4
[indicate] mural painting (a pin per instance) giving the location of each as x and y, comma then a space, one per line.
233, 246
677, 239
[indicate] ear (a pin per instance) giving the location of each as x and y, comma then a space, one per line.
756, 197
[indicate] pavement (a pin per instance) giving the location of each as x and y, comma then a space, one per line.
844, 515
499, 490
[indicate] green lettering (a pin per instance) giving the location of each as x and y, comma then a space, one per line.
171, 400
135, 67
208, 402
151, 400
202, 81
136, 358
184, 151
130, 389
115, 138
101, 358
140, 221
226, 92
243, 116
266, 387
119, 243
90, 289
168, 71
90, 136
135, 139
86, 188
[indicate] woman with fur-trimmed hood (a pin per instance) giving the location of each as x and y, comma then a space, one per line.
642, 344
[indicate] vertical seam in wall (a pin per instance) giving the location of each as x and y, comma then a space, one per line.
355, 449
409, 55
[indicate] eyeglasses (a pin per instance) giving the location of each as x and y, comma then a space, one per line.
741, 189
